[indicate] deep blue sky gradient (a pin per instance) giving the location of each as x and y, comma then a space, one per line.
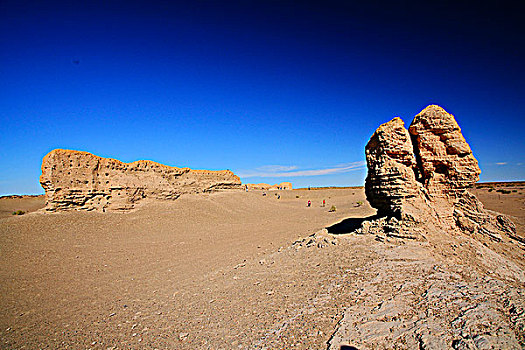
258, 87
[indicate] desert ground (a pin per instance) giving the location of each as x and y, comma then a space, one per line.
243, 270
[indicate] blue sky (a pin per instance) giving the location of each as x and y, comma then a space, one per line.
272, 90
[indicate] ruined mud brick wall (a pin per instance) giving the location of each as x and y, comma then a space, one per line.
75, 180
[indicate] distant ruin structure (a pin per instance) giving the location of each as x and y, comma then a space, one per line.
267, 187
75, 180
422, 175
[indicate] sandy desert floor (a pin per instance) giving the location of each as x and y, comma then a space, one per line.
240, 270
27, 204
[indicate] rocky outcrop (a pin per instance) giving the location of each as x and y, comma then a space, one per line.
391, 179
446, 163
267, 187
75, 180
421, 176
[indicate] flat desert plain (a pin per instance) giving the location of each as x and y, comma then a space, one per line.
239, 270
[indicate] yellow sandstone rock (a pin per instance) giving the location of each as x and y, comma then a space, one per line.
75, 180
421, 177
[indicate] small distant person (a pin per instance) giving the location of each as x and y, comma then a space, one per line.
278, 196
309, 203
324, 202
264, 193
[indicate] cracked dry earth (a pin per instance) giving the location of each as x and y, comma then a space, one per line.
246, 271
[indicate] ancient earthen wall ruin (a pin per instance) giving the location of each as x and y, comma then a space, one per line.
75, 180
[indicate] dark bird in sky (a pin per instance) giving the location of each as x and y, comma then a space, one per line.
76, 62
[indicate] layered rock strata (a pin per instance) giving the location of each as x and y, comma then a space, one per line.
391, 179
421, 176
75, 180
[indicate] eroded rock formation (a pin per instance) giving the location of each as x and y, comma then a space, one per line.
446, 163
75, 180
421, 176
391, 179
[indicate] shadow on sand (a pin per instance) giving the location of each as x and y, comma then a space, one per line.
349, 225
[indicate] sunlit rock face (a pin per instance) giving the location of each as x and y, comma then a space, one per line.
392, 167
421, 176
446, 163
75, 180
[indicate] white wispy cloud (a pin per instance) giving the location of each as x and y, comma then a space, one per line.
276, 168
292, 171
501, 163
